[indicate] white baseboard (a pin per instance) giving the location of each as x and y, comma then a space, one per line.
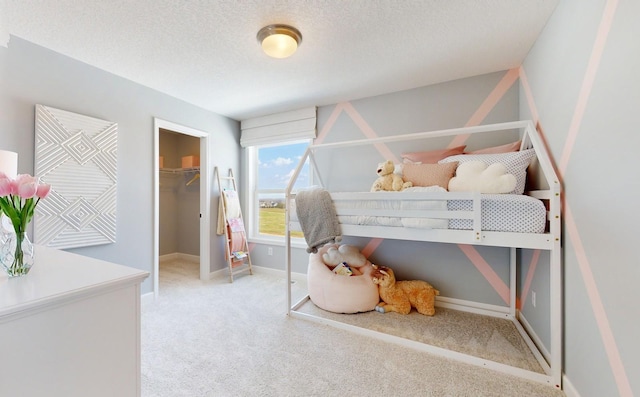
168, 257
148, 297
568, 388
472, 307
179, 256
220, 273
296, 277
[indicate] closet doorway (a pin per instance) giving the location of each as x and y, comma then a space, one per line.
180, 185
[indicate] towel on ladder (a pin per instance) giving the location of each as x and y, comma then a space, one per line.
317, 217
237, 241
229, 209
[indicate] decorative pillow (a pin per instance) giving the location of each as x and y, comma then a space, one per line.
515, 162
429, 174
432, 156
476, 176
509, 147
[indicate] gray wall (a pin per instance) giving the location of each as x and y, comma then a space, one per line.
30, 75
586, 99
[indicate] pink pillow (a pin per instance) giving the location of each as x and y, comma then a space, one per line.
432, 156
429, 174
509, 147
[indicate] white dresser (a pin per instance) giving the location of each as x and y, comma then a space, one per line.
71, 327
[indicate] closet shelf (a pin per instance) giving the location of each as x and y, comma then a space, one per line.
179, 170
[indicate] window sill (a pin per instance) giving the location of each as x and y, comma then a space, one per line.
278, 242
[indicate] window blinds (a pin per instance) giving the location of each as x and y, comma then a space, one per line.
280, 127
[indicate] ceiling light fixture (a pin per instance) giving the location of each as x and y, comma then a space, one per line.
279, 41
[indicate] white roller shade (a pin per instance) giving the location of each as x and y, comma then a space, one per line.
281, 127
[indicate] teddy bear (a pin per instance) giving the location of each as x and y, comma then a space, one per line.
387, 180
347, 257
401, 296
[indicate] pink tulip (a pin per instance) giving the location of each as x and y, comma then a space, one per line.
43, 190
26, 186
5, 186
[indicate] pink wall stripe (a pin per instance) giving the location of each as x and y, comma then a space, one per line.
598, 308
535, 116
529, 279
368, 132
360, 123
587, 82
329, 125
487, 106
527, 92
483, 267
371, 247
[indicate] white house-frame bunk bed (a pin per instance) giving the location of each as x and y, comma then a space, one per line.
547, 189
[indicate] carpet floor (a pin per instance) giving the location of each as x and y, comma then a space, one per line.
215, 338
490, 338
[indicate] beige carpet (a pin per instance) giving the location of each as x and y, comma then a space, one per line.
490, 338
215, 338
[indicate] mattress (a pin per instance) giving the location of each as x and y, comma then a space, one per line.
499, 212
504, 213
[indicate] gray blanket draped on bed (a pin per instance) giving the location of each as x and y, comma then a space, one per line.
317, 217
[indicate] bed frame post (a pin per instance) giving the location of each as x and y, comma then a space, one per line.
287, 249
513, 279
555, 253
287, 219
555, 280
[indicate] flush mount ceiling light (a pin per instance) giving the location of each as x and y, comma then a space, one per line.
279, 41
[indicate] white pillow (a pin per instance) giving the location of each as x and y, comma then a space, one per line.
516, 163
476, 176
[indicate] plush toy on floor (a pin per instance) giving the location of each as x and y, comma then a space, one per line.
339, 293
387, 180
400, 296
344, 254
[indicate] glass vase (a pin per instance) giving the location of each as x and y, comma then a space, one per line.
16, 254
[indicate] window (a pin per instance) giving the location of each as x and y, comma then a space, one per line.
270, 168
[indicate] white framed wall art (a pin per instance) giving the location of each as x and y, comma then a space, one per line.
77, 155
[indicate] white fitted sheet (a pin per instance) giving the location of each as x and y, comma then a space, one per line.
500, 212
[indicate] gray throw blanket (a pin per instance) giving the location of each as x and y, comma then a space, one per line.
318, 218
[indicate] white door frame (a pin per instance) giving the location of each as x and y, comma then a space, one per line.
205, 197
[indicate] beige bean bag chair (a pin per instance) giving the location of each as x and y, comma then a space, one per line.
339, 293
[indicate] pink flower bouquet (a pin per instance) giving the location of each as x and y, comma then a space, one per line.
19, 197
18, 200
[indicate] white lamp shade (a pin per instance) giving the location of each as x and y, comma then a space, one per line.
279, 41
9, 163
279, 45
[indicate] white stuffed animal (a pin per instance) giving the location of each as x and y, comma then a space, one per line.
388, 180
344, 253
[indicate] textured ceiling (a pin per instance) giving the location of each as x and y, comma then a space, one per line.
206, 53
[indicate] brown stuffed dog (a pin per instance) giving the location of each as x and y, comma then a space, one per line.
400, 296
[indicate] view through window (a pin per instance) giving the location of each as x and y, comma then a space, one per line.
275, 165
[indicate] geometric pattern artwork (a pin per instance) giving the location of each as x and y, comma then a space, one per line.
77, 156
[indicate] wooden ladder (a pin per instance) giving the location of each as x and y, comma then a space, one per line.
238, 261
